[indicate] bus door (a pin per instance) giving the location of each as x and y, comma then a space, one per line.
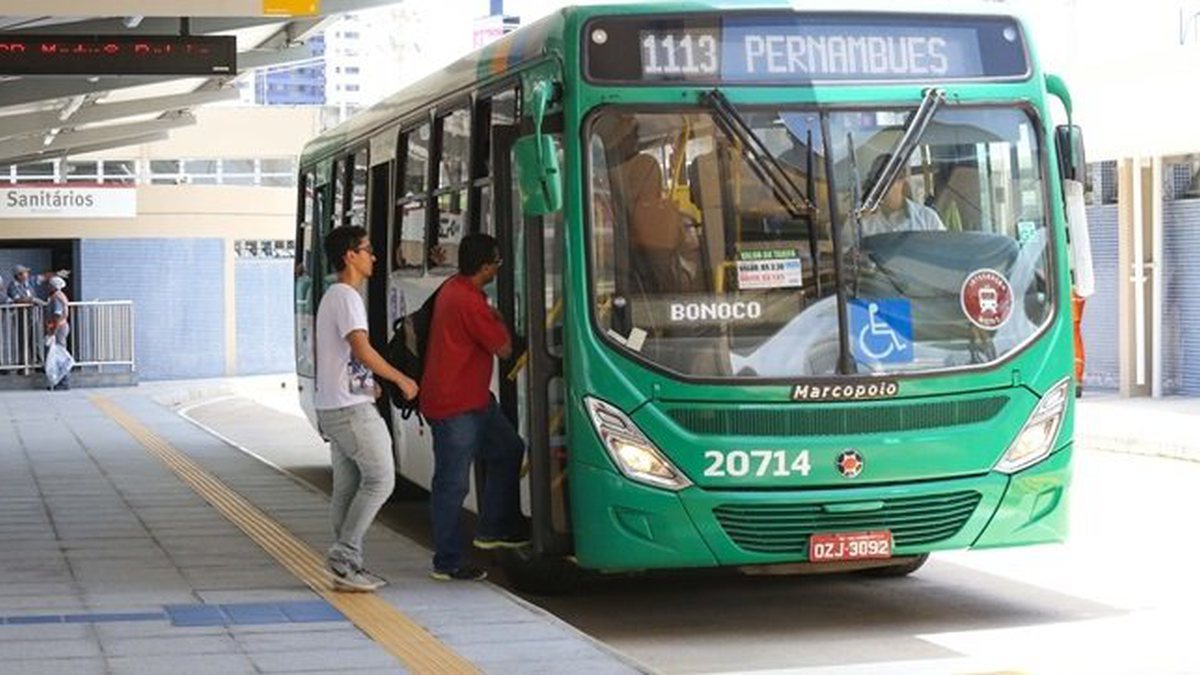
531, 386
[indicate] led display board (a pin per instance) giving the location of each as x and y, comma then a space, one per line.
804, 48
27, 54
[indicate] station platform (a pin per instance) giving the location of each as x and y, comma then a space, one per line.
137, 541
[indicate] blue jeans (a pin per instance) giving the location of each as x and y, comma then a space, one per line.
487, 436
364, 474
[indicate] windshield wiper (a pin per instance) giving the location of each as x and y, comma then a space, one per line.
913, 130
762, 162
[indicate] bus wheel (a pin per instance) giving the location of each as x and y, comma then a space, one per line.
531, 573
901, 569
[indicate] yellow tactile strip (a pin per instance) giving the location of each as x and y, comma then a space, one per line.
419, 651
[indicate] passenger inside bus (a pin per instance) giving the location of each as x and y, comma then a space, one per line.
656, 228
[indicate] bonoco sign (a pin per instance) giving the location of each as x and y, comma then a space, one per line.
46, 201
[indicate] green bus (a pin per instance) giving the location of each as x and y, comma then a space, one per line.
791, 288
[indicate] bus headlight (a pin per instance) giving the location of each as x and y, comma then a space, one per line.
1036, 439
633, 453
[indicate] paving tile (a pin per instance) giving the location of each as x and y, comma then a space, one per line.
335, 640
36, 649
162, 646
56, 666
44, 632
324, 660
204, 664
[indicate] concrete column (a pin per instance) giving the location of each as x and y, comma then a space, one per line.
1136, 262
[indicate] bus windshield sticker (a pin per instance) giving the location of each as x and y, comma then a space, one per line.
826, 390
881, 331
769, 269
714, 312
1026, 231
637, 338
635, 341
986, 299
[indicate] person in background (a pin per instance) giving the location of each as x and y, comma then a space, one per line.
360, 446
57, 318
20, 289
465, 337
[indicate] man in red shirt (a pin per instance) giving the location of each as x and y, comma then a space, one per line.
465, 336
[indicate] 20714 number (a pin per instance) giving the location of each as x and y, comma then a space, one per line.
758, 463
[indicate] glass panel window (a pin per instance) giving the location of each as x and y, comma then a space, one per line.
711, 263
88, 172
165, 166
277, 165
952, 267
237, 166
122, 171
339, 193
358, 190
455, 152
452, 214
200, 166
410, 244
416, 165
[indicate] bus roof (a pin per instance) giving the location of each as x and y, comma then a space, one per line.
531, 42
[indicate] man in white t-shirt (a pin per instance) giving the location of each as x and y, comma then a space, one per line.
360, 445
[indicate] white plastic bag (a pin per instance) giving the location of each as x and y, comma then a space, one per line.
59, 363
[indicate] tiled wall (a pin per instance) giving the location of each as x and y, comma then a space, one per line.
178, 290
1181, 302
1102, 367
264, 316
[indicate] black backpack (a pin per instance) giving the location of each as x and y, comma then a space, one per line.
406, 351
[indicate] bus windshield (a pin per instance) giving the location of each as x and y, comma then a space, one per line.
703, 265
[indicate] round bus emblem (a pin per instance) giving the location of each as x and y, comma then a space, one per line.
986, 299
850, 463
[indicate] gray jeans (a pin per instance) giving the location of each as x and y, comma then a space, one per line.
364, 474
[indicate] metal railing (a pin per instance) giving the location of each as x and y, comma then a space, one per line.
101, 336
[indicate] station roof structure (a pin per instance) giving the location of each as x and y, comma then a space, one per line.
48, 116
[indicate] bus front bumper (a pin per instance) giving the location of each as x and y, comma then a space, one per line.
622, 525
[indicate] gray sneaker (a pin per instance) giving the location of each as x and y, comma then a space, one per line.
346, 578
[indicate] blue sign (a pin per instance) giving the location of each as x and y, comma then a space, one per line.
881, 330
798, 49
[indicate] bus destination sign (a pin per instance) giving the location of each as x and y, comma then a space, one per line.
26, 54
796, 48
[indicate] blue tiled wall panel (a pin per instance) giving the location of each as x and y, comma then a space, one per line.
264, 316
1100, 336
178, 290
1181, 302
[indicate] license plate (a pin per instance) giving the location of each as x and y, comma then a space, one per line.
875, 545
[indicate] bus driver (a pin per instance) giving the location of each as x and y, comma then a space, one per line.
897, 212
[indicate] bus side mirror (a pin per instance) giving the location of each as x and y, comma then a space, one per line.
535, 160
1072, 163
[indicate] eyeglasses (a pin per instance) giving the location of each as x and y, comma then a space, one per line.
497, 262
368, 248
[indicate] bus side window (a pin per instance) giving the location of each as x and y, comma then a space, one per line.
411, 201
337, 217
450, 198
499, 109
356, 213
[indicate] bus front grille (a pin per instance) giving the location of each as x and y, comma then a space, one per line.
785, 528
835, 420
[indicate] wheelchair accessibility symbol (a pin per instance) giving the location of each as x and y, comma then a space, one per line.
881, 330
